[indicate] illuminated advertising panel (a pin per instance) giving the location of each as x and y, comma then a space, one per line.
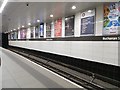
23, 34
48, 29
111, 19
32, 31
88, 22
37, 28
41, 30
69, 26
58, 28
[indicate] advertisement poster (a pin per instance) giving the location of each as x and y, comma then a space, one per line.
12, 35
87, 22
37, 28
32, 32
69, 26
58, 28
16, 35
48, 30
111, 19
23, 34
41, 30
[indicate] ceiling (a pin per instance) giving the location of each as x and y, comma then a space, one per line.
17, 14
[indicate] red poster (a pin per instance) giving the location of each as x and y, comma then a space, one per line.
58, 28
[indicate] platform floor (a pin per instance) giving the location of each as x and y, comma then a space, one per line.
19, 72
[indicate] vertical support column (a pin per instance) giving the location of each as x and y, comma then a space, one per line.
44, 30
77, 25
19, 34
99, 20
34, 32
63, 27
52, 30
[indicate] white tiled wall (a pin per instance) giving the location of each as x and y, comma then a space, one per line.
98, 51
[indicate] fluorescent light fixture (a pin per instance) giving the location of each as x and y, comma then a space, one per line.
38, 20
3, 5
73, 7
51, 15
89, 11
29, 24
23, 26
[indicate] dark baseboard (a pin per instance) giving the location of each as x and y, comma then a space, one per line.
81, 38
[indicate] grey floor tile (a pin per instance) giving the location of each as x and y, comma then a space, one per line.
9, 84
20, 73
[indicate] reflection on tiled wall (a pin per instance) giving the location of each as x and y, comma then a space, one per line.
98, 51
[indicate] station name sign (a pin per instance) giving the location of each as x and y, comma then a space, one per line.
111, 38
82, 38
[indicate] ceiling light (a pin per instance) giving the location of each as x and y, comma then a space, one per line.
38, 20
66, 18
73, 7
3, 5
14, 29
29, 24
11, 30
51, 15
23, 26
18, 28
89, 11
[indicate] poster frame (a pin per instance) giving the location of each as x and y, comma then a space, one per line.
94, 31
73, 27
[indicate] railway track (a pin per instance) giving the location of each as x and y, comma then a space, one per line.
84, 78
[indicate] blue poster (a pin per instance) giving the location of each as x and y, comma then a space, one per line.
111, 18
87, 25
87, 22
41, 30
